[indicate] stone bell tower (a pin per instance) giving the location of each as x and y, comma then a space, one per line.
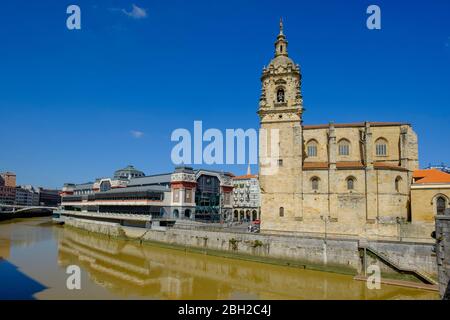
280, 140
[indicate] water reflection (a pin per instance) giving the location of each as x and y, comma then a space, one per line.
128, 268
38, 252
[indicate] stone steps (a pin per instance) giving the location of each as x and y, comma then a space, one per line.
364, 244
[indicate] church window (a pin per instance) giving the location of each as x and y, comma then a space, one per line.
344, 147
315, 183
381, 147
311, 148
281, 212
280, 95
440, 205
350, 183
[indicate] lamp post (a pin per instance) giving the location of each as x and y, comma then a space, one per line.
325, 219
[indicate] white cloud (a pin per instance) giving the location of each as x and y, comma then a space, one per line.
137, 134
136, 12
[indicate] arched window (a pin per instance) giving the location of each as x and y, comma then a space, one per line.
344, 147
381, 147
440, 205
105, 186
350, 183
315, 183
311, 148
398, 181
280, 95
281, 212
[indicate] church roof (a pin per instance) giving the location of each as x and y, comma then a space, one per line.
430, 176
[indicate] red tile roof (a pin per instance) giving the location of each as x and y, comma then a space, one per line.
246, 176
430, 176
315, 165
387, 165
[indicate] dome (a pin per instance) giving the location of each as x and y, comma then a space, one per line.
128, 172
281, 61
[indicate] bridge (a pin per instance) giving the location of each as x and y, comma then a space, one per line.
6, 209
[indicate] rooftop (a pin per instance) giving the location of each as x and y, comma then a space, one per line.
245, 176
430, 176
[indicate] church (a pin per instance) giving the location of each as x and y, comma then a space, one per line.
351, 179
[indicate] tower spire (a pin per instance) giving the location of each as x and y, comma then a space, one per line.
281, 26
281, 43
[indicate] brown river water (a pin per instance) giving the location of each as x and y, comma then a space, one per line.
35, 255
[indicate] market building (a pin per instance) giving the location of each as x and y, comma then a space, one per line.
186, 194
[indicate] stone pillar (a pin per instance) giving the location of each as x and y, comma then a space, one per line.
404, 146
443, 253
332, 177
298, 172
404, 152
370, 176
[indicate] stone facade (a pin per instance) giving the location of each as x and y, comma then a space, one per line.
351, 179
443, 253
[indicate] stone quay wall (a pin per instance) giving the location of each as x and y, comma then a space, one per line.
338, 255
443, 253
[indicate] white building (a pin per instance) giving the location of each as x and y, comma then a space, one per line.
246, 197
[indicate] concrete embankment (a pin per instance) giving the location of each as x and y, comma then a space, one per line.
333, 255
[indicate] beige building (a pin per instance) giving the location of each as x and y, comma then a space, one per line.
430, 195
346, 179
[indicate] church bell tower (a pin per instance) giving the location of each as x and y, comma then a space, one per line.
280, 140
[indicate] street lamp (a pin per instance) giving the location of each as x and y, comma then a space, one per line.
325, 219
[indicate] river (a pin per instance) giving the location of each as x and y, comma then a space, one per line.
35, 255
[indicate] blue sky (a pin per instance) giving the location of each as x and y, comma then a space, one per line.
70, 100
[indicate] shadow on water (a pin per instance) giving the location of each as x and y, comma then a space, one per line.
16, 285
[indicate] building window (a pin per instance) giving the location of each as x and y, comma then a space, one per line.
280, 95
187, 195
344, 147
311, 148
398, 181
350, 183
381, 147
280, 162
440, 206
281, 212
105, 186
315, 183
